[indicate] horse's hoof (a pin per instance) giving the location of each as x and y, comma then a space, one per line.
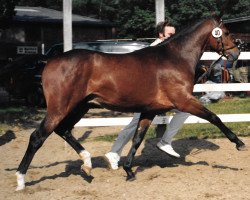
20, 187
241, 147
131, 178
130, 173
87, 170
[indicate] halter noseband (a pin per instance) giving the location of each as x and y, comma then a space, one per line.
217, 33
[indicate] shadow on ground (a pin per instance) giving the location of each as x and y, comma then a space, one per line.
150, 157
7, 137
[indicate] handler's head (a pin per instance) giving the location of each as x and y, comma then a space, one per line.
164, 29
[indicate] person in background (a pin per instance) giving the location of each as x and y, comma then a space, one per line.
240, 68
164, 31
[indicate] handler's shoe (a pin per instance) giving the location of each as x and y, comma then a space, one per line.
167, 148
113, 159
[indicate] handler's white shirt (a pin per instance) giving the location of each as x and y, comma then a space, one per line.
157, 41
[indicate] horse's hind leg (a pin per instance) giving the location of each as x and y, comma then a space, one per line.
144, 123
64, 131
194, 107
37, 139
84, 154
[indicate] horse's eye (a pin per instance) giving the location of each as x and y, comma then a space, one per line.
227, 33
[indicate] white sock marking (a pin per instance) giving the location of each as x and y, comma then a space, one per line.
20, 181
86, 156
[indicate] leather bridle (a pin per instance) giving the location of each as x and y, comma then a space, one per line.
222, 50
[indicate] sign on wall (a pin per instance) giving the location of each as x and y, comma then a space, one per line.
27, 49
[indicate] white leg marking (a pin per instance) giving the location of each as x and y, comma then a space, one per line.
20, 181
87, 165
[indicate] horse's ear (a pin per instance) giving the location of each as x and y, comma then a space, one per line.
216, 16
219, 5
213, 14
225, 6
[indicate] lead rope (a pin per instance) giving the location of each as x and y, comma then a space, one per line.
209, 70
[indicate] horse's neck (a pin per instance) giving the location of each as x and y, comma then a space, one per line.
193, 44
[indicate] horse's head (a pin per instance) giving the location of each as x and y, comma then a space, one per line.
222, 42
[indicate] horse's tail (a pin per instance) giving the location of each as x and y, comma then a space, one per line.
19, 63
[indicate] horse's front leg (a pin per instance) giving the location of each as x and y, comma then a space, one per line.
196, 108
144, 123
214, 119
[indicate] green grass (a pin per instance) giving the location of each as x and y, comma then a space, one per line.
210, 131
203, 131
230, 106
194, 131
106, 138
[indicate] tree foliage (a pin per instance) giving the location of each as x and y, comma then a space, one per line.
53, 4
6, 11
137, 18
185, 12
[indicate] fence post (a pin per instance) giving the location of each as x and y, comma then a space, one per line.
67, 25
159, 11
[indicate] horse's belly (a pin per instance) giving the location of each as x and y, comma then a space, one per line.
133, 104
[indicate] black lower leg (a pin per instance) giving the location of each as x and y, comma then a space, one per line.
136, 143
230, 135
214, 119
37, 138
71, 140
67, 124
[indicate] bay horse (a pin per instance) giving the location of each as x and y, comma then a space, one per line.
152, 81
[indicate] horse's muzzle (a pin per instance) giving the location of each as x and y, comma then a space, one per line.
232, 54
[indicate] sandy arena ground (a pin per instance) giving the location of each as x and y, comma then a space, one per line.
208, 169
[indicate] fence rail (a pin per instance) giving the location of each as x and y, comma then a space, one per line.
222, 87
214, 56
122, 121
